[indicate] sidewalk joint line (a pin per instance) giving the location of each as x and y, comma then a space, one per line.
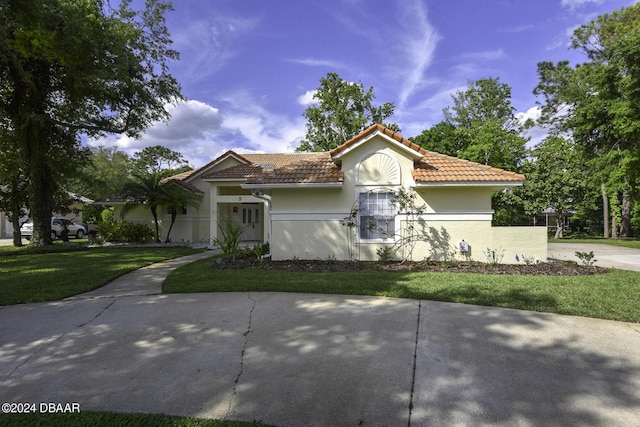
415, 360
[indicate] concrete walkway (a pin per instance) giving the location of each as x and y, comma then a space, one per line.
606, 255
318, 360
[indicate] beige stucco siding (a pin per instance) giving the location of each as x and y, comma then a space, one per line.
461, 199
523, 241
311, 200
309, 239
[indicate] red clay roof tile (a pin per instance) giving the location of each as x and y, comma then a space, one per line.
301, 168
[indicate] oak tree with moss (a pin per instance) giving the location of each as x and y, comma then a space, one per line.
70, 68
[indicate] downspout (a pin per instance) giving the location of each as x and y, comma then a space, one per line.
262, 196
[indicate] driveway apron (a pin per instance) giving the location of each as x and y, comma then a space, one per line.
318, 360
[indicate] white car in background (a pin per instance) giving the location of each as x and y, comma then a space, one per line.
57, 225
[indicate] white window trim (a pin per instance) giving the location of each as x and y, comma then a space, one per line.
396, 220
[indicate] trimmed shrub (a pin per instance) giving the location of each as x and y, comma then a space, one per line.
125, 232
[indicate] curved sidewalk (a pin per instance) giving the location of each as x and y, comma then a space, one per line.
317, 360
144, 281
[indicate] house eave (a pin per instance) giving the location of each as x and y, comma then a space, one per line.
496, 184
240, 180
293, 185
413, 153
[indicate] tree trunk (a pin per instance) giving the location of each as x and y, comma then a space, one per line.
17, 236
605, 210
34, 136
625, 229
174, 214
614, 227
35, 145
559, 226
154, 212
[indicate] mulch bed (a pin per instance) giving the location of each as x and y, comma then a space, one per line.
546, 269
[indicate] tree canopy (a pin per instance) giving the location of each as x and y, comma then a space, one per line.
598, 103
480, 126
342, 111
78, 67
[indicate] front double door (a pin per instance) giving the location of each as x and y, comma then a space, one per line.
251, 220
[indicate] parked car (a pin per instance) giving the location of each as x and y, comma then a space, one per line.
57, 226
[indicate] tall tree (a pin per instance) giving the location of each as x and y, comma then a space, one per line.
486, 128
599, 102
69, 67
556, 179
150, 185
106, 172
441, 138
159, 159
342, 111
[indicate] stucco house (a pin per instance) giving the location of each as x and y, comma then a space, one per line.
378, 190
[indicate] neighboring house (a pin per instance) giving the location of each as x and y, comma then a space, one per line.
77, 203
339, 204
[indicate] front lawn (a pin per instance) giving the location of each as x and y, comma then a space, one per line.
115, 419
614, 295
29, 276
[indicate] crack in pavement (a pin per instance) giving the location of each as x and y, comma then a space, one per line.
415, 362
44, 347
244, 348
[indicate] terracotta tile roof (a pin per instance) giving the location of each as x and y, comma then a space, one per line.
278, 160
438, 168
318, 170
179, 177
182, 183
261, 164
308, 168
238, 172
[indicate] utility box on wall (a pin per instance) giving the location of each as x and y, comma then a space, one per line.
463, 246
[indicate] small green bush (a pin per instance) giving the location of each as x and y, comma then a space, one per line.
125, 232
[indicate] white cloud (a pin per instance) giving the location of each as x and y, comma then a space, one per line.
573, 4
307, 98
207, 45
191, 122
417, 43
487, 55
201, 132
256, 128
314, 62
532, 113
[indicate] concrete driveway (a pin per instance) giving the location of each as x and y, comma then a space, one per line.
318, 360
606, 255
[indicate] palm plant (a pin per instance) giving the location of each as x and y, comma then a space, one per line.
174, 198
146, 189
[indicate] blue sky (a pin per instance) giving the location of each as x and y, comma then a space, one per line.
248, 68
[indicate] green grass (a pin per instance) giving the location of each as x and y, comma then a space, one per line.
627, 243
615, 295
114, 419
29, 276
